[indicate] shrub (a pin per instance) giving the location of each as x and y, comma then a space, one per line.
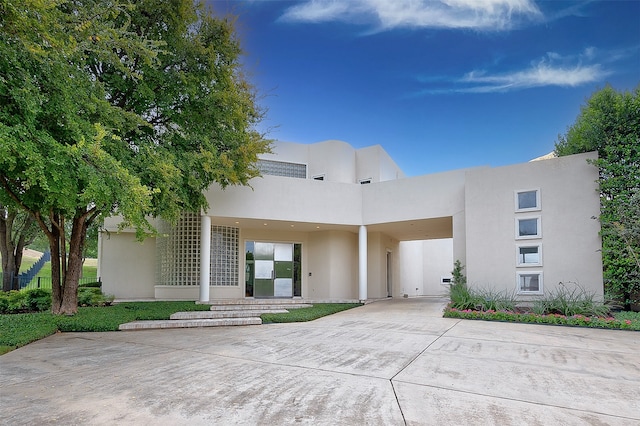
460, 295
38, 300
497, 301
95, 284
570, 301
92, 296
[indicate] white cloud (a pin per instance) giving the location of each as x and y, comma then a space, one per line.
551, 70
537, 76
491, 15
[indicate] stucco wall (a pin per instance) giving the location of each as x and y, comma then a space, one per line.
127, 267
335, 160
374, 163
570, 241
289, 199
429, 196
378, 244
423, 264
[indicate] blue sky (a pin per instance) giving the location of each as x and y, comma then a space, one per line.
441, 85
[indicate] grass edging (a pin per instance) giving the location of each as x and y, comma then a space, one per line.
316, 311
622, 321
18, 330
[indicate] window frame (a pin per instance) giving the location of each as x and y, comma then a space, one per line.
528, 265
528, 237
538, 207
540, 290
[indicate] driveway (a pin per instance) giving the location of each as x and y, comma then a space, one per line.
391, 362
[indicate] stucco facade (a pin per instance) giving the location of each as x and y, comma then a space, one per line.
328, 221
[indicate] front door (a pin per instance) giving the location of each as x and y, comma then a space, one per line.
271, 268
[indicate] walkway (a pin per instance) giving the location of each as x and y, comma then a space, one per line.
392, 362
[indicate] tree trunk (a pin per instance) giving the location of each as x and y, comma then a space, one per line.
16, 232
54, 244
67, 274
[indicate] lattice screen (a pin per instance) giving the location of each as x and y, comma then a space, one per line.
178, 253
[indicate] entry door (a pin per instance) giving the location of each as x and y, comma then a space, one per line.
273, 270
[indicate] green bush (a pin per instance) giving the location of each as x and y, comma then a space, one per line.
92, 296
33, 300
95, 284
460, 295
570, 300
497, 301
38, 299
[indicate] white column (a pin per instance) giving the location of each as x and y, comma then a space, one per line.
205, 257
362, 263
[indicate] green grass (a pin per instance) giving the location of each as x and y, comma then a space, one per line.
17, 330
88, 273
308, 314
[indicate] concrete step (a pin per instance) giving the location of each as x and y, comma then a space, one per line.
247, 313
240, 307
264, 302
189, 323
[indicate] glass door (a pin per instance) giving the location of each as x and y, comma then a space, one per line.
270, 269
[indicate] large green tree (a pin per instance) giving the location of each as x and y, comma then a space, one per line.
117, 107
609, 123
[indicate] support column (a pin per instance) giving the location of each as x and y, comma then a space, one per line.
362, 263
205, 257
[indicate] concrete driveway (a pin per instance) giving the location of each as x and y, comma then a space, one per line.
392, 362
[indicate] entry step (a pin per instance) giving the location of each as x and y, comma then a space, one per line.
225, 314
249, 307
265, 302
189, 323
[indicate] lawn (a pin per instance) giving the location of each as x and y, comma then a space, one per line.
89, 271
17, 330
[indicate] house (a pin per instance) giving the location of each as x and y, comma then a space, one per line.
331, 222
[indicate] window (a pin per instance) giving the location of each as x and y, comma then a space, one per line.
281, 168
529, 282
529, 255
527, 200
224, 256
528, 228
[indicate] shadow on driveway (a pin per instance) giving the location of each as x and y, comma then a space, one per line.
391, 362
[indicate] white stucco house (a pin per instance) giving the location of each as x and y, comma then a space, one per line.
331, 222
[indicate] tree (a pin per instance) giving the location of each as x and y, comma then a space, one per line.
107, 107
609, 123
17, 230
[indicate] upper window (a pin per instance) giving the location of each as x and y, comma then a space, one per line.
282, 168
528, 228
527, 200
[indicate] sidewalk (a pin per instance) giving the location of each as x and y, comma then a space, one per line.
391, 362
